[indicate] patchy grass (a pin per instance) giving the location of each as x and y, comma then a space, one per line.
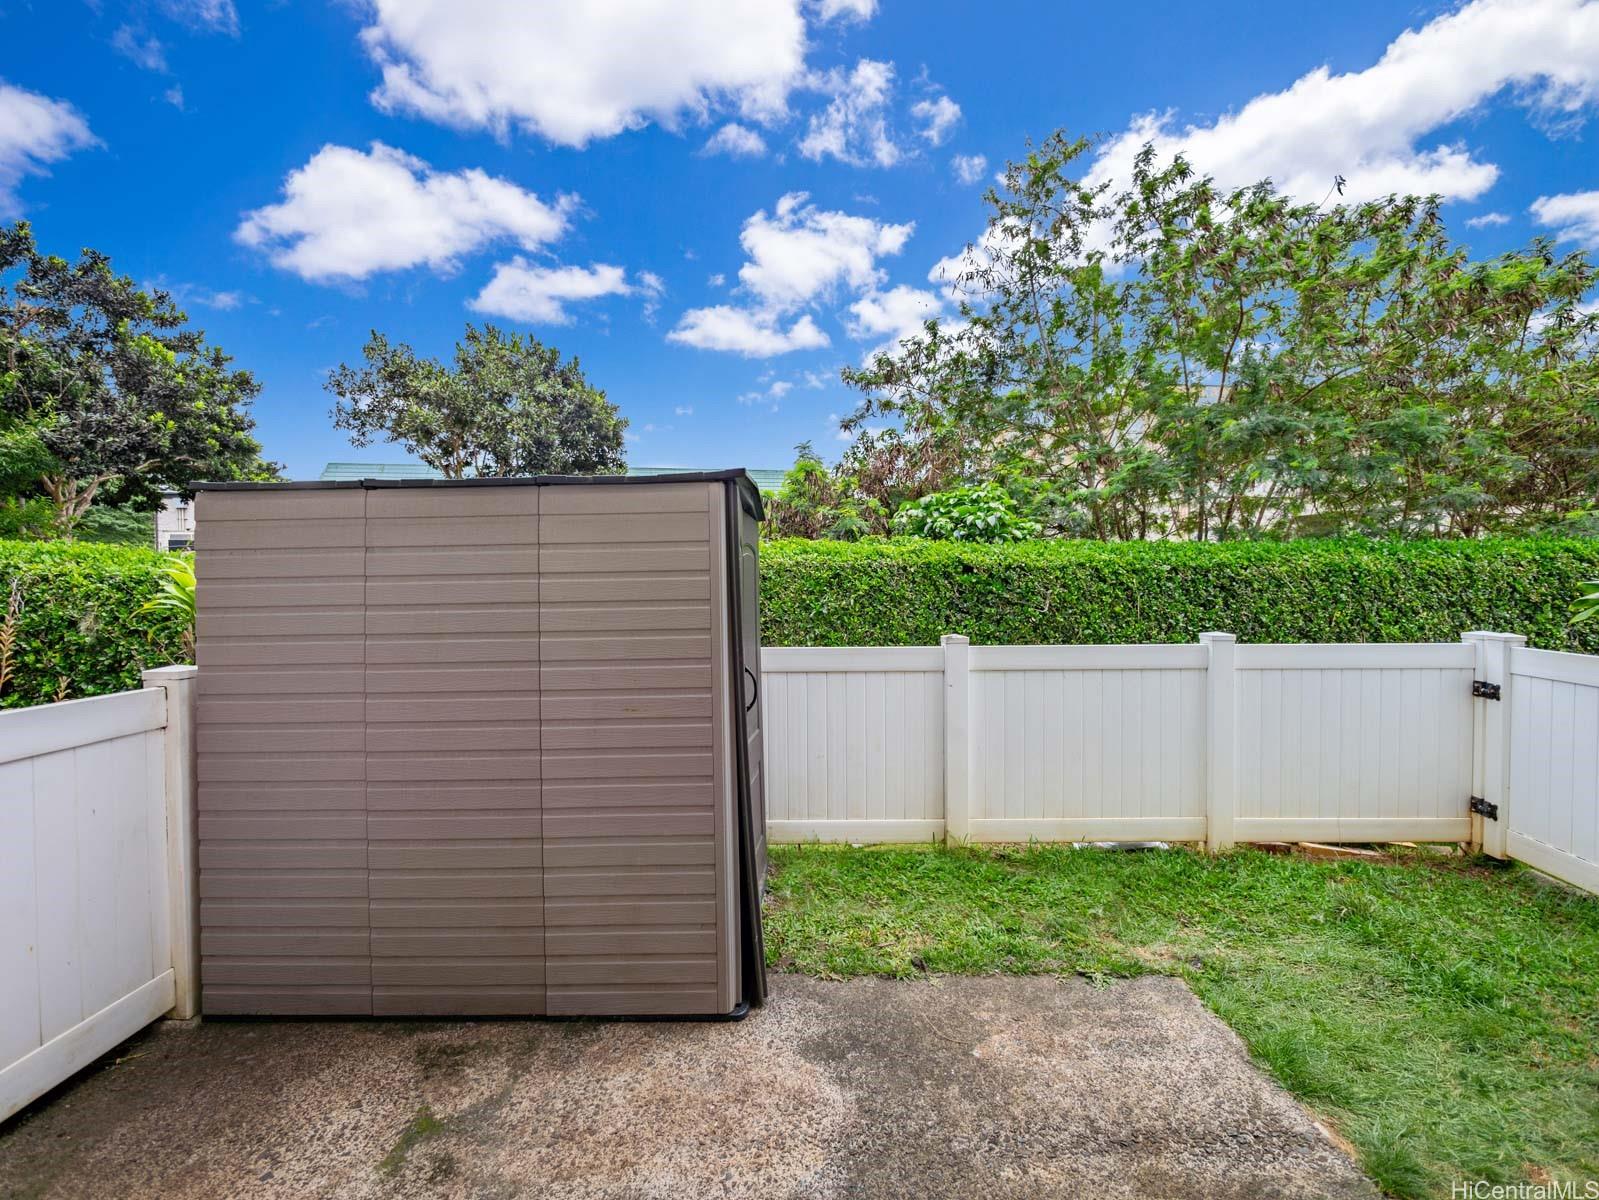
1441, 1013
421, 1127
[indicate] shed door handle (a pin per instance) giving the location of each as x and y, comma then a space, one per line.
756, 694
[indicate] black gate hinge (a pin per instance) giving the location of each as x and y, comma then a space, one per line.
1479, 805
1485, 691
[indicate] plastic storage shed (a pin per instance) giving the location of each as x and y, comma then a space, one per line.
486, 747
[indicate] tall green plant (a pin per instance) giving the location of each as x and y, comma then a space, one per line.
981, 513
1586, 606
1177, 360
508, 405
105, 393
176, 595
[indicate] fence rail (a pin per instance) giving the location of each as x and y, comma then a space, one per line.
1214, 742
96, 878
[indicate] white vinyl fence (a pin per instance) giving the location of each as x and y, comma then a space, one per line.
1554, 764
1482, 740
1214, 742
96, 878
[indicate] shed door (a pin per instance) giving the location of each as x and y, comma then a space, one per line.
452, 751
631, 781
281, 735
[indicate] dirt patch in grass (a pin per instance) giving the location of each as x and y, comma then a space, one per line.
1440, 1013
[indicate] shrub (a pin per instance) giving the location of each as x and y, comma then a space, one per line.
975, 513
910, 592
79, 630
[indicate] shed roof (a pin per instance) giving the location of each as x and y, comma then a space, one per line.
766, 479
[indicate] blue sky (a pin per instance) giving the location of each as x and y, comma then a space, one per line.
714, 203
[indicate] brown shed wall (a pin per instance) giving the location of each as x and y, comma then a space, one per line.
467, 750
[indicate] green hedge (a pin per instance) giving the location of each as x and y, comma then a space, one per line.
80, 617
80, 620
909, 592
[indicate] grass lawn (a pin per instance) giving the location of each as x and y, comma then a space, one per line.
1441, 1013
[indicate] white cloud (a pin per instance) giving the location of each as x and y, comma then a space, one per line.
938, 116
653, 287
892, 316
737, 141
574, 72
739, 331
717, 280
899, 311
144, 51
775, 391
968, 168
800, 253
1573, 215
348, 214
214, 16
1487, 220
538, 295
174, 96
34, 132
1368, 125
853, 128
683, 410
852, 10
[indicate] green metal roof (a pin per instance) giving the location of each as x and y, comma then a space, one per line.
766, 479
355, 470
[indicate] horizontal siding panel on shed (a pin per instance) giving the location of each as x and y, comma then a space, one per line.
280, 741
630, 784
452, 613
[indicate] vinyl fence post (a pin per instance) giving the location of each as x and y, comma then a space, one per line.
957, 737
183, 886
1221, 740
1490, 760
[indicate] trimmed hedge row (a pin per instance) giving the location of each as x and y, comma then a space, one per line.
909, 592
80, 621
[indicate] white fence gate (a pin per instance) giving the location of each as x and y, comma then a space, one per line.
1214, 742
1554, 764
96, 878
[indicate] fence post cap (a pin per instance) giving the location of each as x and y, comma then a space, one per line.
954, 639
1218, 637
1481, 635
173, 674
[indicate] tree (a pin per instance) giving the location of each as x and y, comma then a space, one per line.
104, 394
1176, 360
814, 502
508, 406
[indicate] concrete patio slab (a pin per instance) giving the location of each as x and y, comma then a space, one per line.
991, 1087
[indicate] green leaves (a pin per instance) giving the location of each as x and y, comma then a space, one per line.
83, 618
508, 406
105, 395
984, 513
1173, 358
910, 591
1586, 605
